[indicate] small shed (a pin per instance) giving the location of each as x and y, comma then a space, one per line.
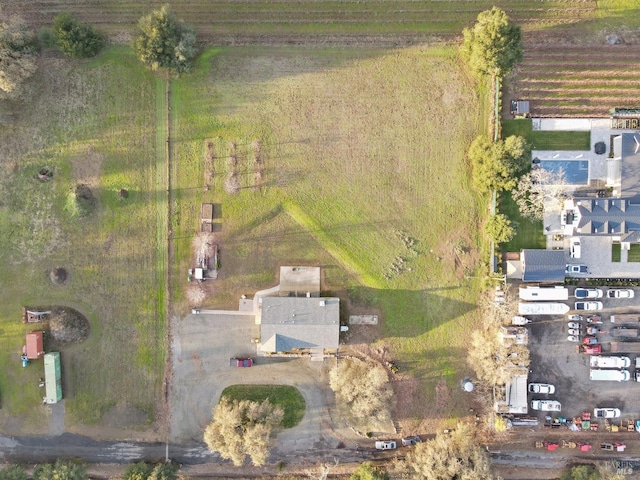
52, 378
35, 345
520, 107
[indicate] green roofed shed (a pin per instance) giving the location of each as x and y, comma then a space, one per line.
52, 378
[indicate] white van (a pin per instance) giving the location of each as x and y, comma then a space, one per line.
610, 375
544, 293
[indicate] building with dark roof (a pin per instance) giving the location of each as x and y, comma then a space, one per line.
544, 266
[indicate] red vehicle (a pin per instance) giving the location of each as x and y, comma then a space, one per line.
595, 319
588, 340
590, 349
240, 362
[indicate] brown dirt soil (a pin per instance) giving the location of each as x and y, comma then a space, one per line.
575, 79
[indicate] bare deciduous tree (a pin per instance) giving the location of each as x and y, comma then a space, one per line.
537, 187
242, 429
494, 362
450, 456
363, 392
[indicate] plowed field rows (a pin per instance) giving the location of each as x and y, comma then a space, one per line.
227, 21
585, 81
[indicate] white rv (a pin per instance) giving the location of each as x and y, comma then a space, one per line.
544, 293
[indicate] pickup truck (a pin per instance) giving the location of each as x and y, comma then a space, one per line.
240, 362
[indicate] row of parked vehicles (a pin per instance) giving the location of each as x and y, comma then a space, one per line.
556, 406
392, 445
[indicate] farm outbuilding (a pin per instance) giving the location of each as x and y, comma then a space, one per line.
35, 345
52, 378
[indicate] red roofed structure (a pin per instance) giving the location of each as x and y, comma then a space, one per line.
35, 345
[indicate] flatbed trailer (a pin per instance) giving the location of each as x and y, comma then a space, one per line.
633, 318
625, 347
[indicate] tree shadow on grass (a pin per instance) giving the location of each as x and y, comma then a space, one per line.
405, 313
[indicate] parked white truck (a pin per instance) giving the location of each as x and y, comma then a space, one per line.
610, 375
609, 362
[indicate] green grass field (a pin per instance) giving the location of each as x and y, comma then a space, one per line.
289, 398
92, 123
355, 164
529, 234
546, 140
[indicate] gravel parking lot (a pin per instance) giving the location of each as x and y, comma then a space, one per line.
201, 348
555, 360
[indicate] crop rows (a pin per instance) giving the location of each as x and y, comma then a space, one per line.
216, 19
569, 81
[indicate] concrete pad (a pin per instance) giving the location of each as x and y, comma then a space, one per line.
564, 124
300, 280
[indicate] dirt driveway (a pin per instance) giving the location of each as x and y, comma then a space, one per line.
201, 348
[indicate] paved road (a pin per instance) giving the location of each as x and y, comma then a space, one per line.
47, 448
30, 449
42, 448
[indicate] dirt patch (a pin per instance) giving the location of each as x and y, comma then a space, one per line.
86, 167
458, 252
58, 275
68, 325
45, 174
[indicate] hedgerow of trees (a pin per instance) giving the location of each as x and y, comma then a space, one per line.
497, 165
493, 46
164, 41
499, 228
76, 39
18, 56
450, 456
13, 472
242, 429
363, 393
147, 471
61, 470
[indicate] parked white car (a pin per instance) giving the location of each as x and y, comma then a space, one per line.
573, 325
543, 388
588, 306
606, 412
573, 338
588, 293
546, 405
574, 331
620, 293
386, 445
